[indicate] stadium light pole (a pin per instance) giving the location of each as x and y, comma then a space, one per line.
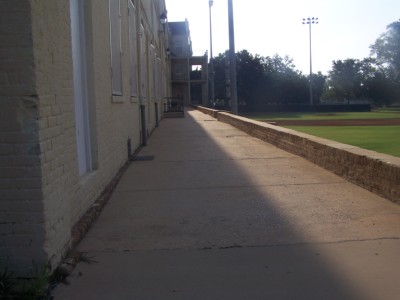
309, 22
210, 3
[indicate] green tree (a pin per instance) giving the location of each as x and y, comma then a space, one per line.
284, 84
263, 81
250, 77
360, 79
380, 89
345, 80
386, 50
319, 86
220, 77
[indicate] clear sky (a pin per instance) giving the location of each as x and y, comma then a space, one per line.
346, 28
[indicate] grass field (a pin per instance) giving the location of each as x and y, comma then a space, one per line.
393, 113
383, 139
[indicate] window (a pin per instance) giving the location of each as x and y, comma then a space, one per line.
115, 40
152, 71
158, 79
82, 128
143, 65
178, 48
179, 69
133, 47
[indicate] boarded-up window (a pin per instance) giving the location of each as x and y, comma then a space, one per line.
115, 41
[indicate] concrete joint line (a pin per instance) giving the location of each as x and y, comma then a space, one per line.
299, 244
230, 187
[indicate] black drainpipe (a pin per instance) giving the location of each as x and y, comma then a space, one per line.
129, 144
156, 107
143, 119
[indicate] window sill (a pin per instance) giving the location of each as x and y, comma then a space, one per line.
117, 99
134, 99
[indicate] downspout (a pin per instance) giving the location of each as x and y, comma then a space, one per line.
143, 121
142, 106
189, 82
156, 108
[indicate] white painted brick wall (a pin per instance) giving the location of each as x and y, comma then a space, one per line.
42, 195
21, 210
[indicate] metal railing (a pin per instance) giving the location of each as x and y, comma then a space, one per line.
185, 77
173, 104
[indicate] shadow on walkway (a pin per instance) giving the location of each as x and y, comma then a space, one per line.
208, 212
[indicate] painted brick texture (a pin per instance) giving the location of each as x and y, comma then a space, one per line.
66, 195
22, 224
53, 72
112, 123
42, 194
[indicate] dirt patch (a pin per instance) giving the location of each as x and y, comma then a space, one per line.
354, 122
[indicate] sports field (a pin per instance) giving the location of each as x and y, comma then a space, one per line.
383, 113
378, 130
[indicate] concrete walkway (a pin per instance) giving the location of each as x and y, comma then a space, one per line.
207, 212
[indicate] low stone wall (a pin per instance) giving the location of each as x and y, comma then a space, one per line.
207, 111
378, 173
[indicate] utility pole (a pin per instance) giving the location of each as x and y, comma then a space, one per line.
210, 3
232, 59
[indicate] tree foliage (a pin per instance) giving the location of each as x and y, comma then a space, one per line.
386, 49
354, 79
345, 80
262, 80
274, 80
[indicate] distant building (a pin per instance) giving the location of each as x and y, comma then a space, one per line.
189, 78
74, 78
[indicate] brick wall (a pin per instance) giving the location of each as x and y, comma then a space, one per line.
42, 194
54, 87
22, 224
209, 111
66, 195
378, 173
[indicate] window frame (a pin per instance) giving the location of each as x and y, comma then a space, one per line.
115, 47
133, 55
